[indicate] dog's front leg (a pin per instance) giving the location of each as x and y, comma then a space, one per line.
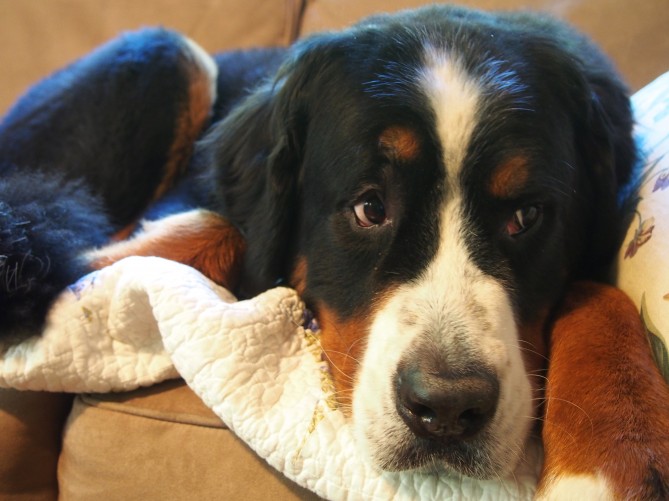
199, 238
606, 429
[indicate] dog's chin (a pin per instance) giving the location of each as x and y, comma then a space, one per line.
471, 461
486, 457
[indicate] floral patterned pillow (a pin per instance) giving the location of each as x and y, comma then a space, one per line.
643, 261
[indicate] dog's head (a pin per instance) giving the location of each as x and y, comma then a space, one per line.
430, 182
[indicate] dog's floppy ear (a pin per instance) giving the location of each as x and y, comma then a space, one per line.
609, 154
253, 159
597, 102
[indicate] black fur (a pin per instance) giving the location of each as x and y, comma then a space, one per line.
80, 154
45, 224
288, 160
108, 119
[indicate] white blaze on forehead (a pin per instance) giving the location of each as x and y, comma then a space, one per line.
454, 96
452, 306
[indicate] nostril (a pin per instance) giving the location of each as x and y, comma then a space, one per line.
428, 418
473, 420
468, 423
422, 420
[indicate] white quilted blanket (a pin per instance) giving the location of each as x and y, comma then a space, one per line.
145, 320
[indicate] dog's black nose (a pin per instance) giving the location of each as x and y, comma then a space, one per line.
446, 407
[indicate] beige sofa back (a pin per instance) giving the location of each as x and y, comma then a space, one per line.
40, 36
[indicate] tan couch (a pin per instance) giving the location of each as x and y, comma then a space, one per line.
162, 442
38, 36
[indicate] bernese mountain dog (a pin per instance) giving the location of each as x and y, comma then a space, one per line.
432, 182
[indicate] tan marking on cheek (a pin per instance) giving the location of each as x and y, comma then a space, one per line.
400, 142
607, 410
298, 277
201, 239
509, 177
343, 343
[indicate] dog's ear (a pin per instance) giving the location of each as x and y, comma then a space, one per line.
589, 89
253, 162
609, 155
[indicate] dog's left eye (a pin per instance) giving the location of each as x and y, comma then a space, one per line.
523, 219
370, 210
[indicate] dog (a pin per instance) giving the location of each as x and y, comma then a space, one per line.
432, 183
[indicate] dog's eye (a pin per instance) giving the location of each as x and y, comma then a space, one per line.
370, 210
523, 219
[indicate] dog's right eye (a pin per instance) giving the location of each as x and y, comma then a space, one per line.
523, 219
370, 210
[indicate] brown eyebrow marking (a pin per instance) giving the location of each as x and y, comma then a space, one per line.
509, 177
401, 142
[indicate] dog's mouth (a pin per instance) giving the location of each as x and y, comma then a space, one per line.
469, 459
478, 447
487, 453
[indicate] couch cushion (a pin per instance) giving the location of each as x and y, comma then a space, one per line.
160, 443
30, 429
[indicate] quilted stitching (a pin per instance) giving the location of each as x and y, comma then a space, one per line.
144, 320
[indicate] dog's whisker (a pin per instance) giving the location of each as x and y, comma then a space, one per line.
531, 349
333, 365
